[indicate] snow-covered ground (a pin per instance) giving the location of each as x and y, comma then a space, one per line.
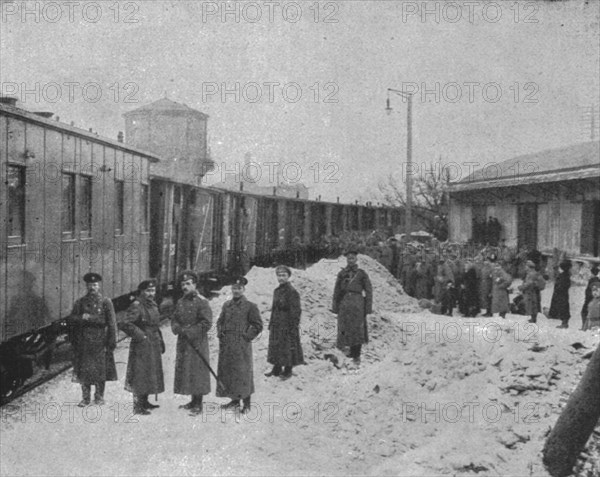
434, 395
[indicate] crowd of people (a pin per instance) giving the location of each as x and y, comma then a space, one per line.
472, 279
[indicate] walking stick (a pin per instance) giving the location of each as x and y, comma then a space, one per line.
204, 360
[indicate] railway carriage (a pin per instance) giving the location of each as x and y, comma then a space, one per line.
73, 202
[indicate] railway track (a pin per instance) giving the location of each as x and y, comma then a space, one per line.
61, 362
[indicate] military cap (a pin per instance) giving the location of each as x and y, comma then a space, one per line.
92, 277
565, 265
188, 275
492, 257
283, 268
151, 283
595, 285
351, 251
240, 281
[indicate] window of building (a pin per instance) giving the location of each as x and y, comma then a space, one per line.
119, 207
145, 208
85, 205
68, 203
16, 202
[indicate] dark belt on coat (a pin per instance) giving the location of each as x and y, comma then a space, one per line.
355, 292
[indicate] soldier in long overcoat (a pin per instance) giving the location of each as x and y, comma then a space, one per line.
191, 321
285, 349
531, 287
559, 305
501, 281
352, 302
93, 336
238, 324
144, 366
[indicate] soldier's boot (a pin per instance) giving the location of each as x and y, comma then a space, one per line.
189, 405
197, 407
147, 404
533, 319
287, 373
99, 394
86, 391
276, 371
247, 404
234, 403
138, 405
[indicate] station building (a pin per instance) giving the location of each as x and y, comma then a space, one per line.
547, 200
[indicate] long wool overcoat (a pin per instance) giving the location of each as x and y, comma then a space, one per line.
238, 324
144, 367
352, 301
191, 321
531, 287
501, 280
93, 340
285, 348
559, 305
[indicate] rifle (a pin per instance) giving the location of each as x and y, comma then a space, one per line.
204, 360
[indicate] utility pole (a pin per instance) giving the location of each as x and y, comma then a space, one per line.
409, 184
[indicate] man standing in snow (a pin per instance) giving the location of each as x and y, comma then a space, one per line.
93, 335
352, 302
144, 367
191, 321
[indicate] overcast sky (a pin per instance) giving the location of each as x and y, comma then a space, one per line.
525, 72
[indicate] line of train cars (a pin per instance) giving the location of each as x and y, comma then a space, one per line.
74, 202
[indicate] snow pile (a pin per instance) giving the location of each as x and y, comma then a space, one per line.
318, 324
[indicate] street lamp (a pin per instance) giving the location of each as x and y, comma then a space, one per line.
388, 108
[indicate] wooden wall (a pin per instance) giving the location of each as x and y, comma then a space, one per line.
41, 275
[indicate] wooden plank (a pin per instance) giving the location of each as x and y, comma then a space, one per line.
52, 225
119, 239
108, 221
3, 226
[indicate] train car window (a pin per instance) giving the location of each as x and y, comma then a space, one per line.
68, 203
145, 208
16, 203
119, 207
85, 205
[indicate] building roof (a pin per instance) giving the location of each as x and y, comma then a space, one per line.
166, 105
43, 121
580, 161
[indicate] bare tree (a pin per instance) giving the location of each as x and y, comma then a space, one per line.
430, 204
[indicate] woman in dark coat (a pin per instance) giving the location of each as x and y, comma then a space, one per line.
238, 324
468, 297
285, 349
559, 306
144, 366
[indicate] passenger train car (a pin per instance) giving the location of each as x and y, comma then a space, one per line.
73, 202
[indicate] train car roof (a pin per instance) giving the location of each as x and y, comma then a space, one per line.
219, 190
34, 118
